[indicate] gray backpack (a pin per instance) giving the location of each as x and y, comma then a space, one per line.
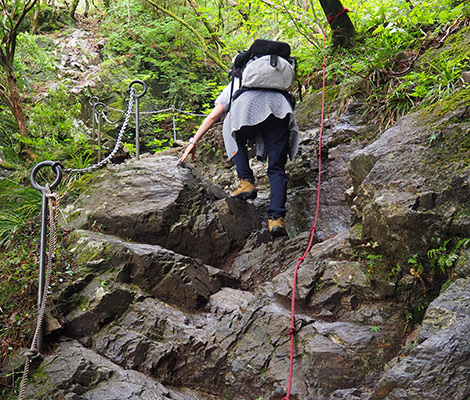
266, 65
269, 72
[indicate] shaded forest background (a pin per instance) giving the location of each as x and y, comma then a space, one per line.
182, 51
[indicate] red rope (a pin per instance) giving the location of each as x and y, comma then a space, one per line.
292, 329
330, 19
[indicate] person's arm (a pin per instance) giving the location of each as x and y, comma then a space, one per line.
210, 120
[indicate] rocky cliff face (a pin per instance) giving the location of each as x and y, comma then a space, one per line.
181, 294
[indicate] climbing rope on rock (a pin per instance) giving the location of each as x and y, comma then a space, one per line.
292, 329
53, 201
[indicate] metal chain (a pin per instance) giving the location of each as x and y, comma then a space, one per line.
116, 146
53, 222
103, 114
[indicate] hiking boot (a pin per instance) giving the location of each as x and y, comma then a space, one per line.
277, 228
247, 190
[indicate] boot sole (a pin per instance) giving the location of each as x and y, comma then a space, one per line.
277, 232
246, 195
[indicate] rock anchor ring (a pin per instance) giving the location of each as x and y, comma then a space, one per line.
93, 101
100, 107
144, 88
57, 169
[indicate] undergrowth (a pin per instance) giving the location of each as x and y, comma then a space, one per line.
396, 65
19, 204
18, 292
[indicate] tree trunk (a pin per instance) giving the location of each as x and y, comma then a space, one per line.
341, 25
11, 98
73, 8
35, 18
9, 92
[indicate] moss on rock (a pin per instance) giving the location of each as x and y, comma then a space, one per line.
455, 48
309, 111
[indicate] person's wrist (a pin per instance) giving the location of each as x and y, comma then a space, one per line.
192, 141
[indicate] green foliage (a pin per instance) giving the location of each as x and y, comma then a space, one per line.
375, 329
390, 36
55, 133
53, 116
154, 48
373, 260
131, 147
445, 258
160, 145
34, 61
416, 264
149, 45
395, 271
9, 136
19, 204
158, 51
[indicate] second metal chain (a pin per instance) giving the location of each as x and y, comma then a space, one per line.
116, 146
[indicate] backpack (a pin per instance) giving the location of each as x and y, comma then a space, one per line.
268, 65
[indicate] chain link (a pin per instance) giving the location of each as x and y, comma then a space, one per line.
116, 146
53, 222
103, 114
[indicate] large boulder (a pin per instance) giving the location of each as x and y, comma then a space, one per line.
123, 269
158, 201
75, 372
411, 185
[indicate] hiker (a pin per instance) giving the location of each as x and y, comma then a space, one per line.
262, 116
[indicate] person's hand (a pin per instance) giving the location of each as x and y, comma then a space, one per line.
191, 149
213, 116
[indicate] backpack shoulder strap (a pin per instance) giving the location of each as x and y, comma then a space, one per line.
289, 96
232, 95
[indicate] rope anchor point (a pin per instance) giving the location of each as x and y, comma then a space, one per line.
138, 82
56, 167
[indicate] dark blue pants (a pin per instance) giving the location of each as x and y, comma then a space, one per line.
275, 133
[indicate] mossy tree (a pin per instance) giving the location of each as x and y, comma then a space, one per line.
13, 14
340, 23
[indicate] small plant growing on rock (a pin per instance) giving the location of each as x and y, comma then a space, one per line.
445, 258
417, 269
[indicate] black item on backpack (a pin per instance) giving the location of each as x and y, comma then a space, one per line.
262, 47
289, 96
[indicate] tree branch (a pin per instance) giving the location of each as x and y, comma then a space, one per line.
4, 96
213, 33
196, 33
14, 30
305, 35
